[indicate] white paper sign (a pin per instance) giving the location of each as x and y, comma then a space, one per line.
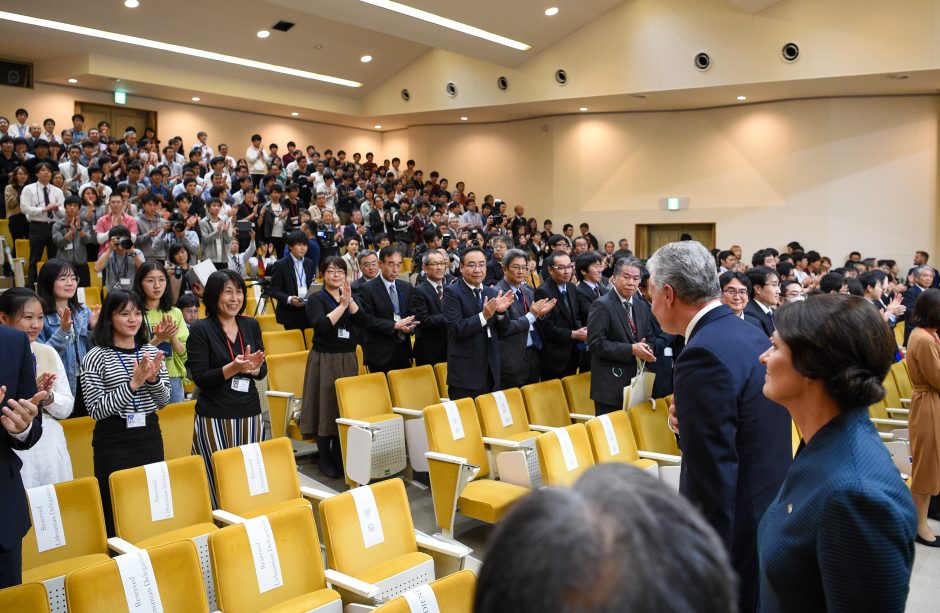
422, 600
610, 434
140, 584
369, 521
567, 449
453, 417
502, 405
254, 469
158, 487
264, 553
203, 269
47, 519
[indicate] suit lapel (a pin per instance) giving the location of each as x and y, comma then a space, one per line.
616, 307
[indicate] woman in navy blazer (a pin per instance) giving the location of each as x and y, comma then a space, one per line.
840, 534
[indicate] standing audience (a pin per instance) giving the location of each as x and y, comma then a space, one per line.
165, 325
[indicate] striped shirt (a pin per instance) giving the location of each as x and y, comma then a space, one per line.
105, 379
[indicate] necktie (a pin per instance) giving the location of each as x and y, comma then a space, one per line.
479, 294
440, 292
533, 331
393, 294
45, 198
597, 291
629, 308
236, 264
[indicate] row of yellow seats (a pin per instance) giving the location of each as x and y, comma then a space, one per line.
891, 412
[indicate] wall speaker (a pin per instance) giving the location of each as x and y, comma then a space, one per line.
790, 52
561, 77
502, 83
16, 74
451, 90
405, 95
702, 61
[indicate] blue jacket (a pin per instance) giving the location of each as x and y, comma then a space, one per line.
71, 347
840, 534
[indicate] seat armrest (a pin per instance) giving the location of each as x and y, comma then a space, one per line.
227, 518
895, 411
353, 423
454, 550
581, 416
351, 584
538, 428
315, 493
901, 423
660, 457
492, 441
445, 457
444, 399
905, 400
120, 546
886, 436
276, 394
407, 412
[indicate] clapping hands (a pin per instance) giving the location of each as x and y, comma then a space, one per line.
248, 362
146, 369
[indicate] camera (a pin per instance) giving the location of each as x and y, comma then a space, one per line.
497, 220
126, 244
179, 226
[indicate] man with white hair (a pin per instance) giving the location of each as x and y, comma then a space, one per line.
736, 444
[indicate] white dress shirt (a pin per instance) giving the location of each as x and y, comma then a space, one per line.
705, 309
32, 202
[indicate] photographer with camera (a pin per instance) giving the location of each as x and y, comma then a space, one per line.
115, 217
328, 235
182, 231
119, 260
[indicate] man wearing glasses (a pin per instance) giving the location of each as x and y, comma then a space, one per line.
765, 296
388, 302
564, 335
522, 337
431, 337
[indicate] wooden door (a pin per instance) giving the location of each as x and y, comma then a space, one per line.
120, 118
650, 237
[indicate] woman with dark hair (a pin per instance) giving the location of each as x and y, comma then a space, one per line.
334, 317
177, 267
47, 461
19, 226
225, 358
735, 291
68, 324
923, 363
164, 322
124, 382
839, 536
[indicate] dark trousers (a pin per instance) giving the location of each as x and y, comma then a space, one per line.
40, 237
603, 409
401, 358
256, 180
11, 567
528, 373
552, 371
19, 228
456, 393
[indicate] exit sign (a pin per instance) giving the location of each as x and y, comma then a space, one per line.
120, 97
673, 203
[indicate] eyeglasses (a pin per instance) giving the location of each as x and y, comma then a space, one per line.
518, 268
475, 265
568, 267
72, 278
436, 264
730, 291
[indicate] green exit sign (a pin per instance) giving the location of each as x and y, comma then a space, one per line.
120, 97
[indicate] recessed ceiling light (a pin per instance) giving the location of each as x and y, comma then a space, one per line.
583, 109
73, 80
131, 4
410, 11
742, 98
263, 34
294, 114
365, 59
464, 118
551, 12
61, 26
196, 98
378, 126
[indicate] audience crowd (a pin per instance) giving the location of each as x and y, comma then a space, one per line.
414, 270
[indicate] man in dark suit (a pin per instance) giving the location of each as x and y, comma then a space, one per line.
388, 303
431, 336
589, 268
736, 444
494, 264
520, 345
619, 332
563, 334
923, 280
368, 266
476, 317
765, 296
22, 427
293, 275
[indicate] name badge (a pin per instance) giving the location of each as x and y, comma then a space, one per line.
136, 420
342, 333
667, 352
125, 281
240, 384
69, 247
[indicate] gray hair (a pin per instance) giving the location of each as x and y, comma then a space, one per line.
621, 263
919, 269
688, 268
365, 253
505, 240
430, 252
512, 254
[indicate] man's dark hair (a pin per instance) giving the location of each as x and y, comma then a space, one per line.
760, 275
554, 239
759, 256
831, 283
583, 262
387, 252
294, 238
724, 255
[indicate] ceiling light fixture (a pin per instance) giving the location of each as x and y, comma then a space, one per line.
131, 4
378, 126
196, 98
263, 34
583, 109
464, 118
551, 12
178, 49
365, 59
294, 114
73, 80
410, 11
742, 98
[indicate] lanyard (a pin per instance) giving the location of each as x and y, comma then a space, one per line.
301, 276
128, 371
231, 345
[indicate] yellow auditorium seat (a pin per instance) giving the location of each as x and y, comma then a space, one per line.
459, 467
406, 265
94, 276
177, 422
612, 440
370, 538
75, 540
881, 417
578, 393
894, 404
651, 429
440, 371
414, 388
22, 249
92, 296
502, 415
796, 438
24, 598
286, 372
285, 341
5, 232
296, 580
453, 594
902, 380
564, 455
899, 333
547, 406
371, 433
308, 338
273, 484
78, 432
268, 323
175, 567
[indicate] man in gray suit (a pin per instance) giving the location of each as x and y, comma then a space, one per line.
519, 346
619, 326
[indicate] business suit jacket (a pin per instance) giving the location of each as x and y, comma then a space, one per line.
736, 443
431, 336
662, 344
512, 343
839, 534
284, 285
908, 298
755, 315
611, 342
471, 352
586, 298
382, 339
560, 356
19, 375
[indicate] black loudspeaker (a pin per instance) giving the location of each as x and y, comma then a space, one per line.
16, 74
502, 83
702, 61
790, 52
561, 76
405, 95
451, 90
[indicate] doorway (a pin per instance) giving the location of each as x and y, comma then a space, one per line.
120, 118
650, 237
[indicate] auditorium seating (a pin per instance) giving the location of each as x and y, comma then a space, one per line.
298, 568
284, 341
176, 428
440, 371
370, 538
578, 393
902, 379
547, 406
414, 388
612, 440
882, 418
90, 296
502, 415
24, 598
286, 372
564, 455
268, 323
458, 467
651, 429
78, 431
453, 594
175, 568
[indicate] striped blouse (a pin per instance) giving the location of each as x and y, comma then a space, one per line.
105, 379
